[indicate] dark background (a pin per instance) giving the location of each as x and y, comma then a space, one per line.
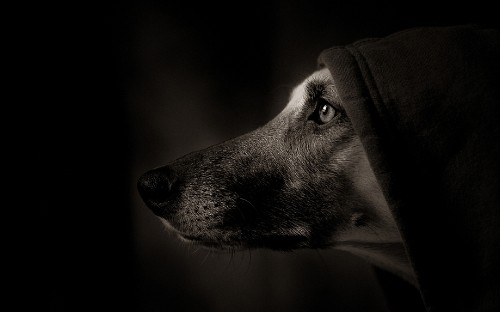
110, 90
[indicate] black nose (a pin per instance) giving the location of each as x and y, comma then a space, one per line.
156, 186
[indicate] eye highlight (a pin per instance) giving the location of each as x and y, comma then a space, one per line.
324, 113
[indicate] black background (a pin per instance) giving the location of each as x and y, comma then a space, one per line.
110, 90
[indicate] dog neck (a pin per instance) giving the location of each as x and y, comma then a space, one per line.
389, 256
373, 234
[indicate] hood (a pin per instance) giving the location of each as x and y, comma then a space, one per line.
425, 103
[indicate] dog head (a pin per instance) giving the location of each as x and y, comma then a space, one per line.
299, 181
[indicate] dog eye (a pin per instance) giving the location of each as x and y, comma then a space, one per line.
324, 113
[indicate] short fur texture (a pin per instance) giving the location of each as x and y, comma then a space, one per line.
297, 182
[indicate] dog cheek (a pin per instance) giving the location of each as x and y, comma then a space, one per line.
319, 199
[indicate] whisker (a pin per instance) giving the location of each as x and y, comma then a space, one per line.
249, 260
206, 256
322, 259
247, 201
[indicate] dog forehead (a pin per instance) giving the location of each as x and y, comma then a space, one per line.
301, 93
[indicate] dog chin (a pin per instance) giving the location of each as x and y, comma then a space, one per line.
282, 240
273, 242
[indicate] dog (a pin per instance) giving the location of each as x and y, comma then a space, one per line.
302, 180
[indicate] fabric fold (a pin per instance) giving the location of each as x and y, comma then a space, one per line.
425, 103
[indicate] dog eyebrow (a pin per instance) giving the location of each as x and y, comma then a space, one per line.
315, 90
307, 93
324, 89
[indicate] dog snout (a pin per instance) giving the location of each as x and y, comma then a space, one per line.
156, 187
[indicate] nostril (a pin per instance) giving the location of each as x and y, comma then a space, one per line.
155, 186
